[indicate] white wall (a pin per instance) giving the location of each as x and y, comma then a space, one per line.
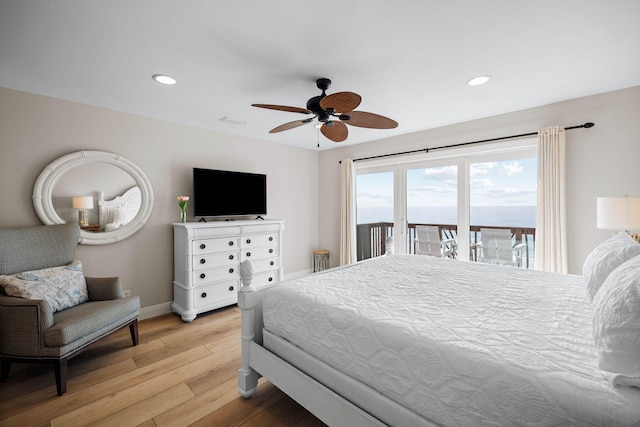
601, 161
35, 130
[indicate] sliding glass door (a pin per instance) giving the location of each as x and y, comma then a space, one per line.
432, 200
459, 193
374, 212
503, 195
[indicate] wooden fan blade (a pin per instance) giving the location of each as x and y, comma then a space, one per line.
336, 131
290, 125
283, 108
341, 102
369, 120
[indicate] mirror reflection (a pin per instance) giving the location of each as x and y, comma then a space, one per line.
110, 195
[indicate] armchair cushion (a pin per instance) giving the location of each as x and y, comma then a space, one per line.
91, 318
61, 287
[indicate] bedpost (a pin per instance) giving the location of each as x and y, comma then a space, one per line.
247, 377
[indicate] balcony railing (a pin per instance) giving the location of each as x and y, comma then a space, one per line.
371, 238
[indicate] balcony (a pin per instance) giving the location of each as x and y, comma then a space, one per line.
371, 239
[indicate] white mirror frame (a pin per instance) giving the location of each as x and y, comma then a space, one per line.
43, 194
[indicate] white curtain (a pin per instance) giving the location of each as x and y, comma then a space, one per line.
551, 227
348, 253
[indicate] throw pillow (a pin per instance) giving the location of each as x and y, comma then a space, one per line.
616, 324
605, 258
61, 287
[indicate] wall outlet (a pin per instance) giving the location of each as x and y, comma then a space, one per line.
127, 293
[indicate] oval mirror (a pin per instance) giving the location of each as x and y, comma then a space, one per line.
107, 194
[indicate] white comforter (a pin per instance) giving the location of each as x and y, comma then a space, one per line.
462, 344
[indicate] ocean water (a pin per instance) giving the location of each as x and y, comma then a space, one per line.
499, 216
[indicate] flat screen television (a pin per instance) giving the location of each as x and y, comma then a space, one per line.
226, 193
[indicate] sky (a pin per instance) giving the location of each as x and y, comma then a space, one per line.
501, 183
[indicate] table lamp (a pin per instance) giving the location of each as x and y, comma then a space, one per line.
618, 213
82, 204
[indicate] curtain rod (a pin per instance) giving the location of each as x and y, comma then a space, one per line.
426, 150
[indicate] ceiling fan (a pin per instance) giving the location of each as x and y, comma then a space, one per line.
328, 108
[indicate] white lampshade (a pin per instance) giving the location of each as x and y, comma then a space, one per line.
619, 213
85, 202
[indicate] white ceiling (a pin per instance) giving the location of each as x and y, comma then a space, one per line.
409, 60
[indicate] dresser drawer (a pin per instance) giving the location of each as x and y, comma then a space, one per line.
215, 274
210, 294
205, 246
265, 264
258, 252
204, 261
266, 278
258, 240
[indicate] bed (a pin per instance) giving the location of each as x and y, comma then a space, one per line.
410, 340
120, 210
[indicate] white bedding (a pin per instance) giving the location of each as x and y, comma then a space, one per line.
459, 343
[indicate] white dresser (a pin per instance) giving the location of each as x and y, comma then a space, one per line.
207, 257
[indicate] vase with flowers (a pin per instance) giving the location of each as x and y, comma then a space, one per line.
183, 201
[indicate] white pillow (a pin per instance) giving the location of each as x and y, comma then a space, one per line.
62, 287
605, 258
616, 324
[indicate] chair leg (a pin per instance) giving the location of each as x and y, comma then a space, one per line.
133, 328
60, 369
5, 367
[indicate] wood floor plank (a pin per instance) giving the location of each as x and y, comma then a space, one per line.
154, 405
35, 399
200, 406
123, 398
75, 399
180, 374
226, 367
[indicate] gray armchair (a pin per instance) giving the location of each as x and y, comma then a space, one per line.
29, 329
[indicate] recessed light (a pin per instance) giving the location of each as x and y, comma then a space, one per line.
480, 80
164, 79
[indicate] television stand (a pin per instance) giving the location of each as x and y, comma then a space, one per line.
260, 217
207, 261
202, 220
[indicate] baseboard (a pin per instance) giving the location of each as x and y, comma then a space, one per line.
165, 307
155, 310
297, 274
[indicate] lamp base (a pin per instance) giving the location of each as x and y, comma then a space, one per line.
83, 218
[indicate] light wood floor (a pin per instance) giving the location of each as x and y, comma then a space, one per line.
181, 374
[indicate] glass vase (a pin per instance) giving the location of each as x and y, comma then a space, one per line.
183, 215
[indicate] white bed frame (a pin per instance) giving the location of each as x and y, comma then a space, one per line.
130, 199
336, 399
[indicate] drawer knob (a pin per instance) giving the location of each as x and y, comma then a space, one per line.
248, 253
202, 261
271, 279
202, 276
270, 251
271, 263
271, 238
231, 288
203, 295
248, 241
230, 256
230, 242
231, 270
202, 246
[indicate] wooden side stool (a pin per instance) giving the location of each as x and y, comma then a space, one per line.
320, 260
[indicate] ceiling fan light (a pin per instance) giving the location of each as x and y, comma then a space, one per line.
164, 79
480, 80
